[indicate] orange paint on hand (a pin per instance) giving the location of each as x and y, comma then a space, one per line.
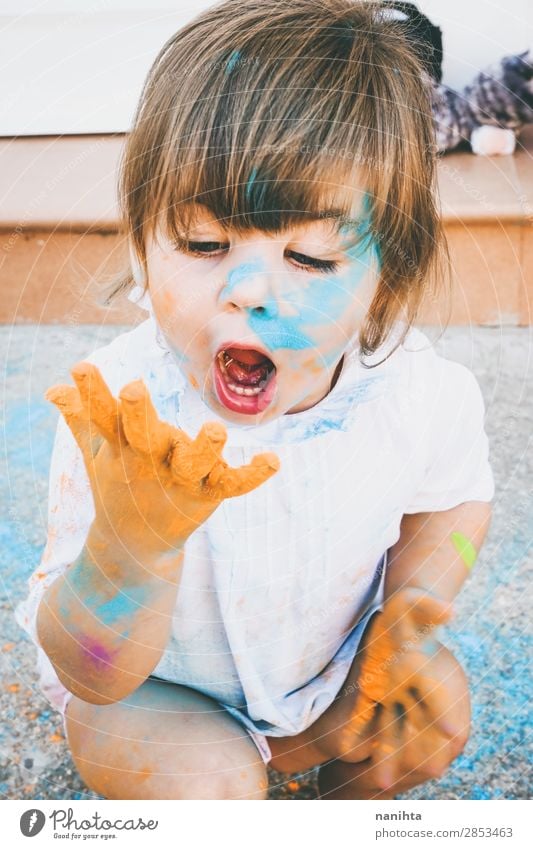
151, 470
372, 680
409, 610
8, 646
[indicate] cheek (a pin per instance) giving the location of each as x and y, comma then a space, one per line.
334, 302
335, 306
168, 308
178, 311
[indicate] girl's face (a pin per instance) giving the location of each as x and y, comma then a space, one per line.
259, 324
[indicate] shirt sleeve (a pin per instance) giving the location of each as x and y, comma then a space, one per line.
70, 514
456, 467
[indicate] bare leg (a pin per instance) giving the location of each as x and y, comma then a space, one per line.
164, 741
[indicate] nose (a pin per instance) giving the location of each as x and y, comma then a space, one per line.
249, 287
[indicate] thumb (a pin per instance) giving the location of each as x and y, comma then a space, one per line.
68, 401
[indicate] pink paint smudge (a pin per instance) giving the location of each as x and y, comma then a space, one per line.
95, 652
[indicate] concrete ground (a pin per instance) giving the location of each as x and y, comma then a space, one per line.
491, 635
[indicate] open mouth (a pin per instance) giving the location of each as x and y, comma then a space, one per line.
245, 379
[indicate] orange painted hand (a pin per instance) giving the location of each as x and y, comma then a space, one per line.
152, 484
409, 708
395, 653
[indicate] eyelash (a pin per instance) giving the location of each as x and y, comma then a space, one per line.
311, 264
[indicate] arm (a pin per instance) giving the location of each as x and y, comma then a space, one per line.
105, 622
435, 551
425, 557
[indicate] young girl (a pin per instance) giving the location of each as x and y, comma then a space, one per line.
205, 607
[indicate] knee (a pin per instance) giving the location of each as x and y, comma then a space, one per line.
117, 778
116, 764
214, 777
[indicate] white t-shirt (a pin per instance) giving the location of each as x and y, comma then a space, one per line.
274, 581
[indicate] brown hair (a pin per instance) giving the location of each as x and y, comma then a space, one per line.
267, 111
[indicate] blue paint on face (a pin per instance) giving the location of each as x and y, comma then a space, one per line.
241, 274
322, 300
278, 333
364, 236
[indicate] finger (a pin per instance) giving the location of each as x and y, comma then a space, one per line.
362, 714
68, 402
416, 751
149, 437
226, 482
436, 704
387, 748
428, 752
194, 460
100, 405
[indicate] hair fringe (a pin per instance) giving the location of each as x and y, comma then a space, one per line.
269, 111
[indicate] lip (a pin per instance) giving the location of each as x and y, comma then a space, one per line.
244, 404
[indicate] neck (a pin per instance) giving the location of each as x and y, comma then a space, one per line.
333, 381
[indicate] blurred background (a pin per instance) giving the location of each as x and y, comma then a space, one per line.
104, 48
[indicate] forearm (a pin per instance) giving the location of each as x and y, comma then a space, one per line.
436, 551
105, 622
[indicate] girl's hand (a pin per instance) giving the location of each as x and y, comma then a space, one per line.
397, 684
152, 484
399, 642
413, 742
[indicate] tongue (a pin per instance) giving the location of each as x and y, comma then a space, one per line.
247, 356
247, 367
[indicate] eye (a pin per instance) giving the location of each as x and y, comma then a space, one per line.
309, 263
201, 248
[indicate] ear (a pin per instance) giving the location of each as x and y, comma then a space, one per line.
139, 295
136, 267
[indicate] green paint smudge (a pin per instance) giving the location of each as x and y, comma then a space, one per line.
464, 548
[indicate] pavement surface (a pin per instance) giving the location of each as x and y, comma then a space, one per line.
491, 635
